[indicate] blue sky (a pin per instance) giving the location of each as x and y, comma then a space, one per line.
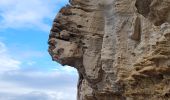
26, 69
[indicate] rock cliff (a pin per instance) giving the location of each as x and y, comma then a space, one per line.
121, 48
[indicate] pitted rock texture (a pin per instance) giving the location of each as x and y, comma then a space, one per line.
158, 11
121, 48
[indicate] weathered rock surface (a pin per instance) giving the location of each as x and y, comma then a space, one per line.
121, 48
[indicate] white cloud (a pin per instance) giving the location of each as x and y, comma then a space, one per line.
37, 95
2, 47
41, 79
66, 69
23, 85
30, 63
34, 95
27, 13
19, 84
6, 61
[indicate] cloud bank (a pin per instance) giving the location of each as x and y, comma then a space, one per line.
16, 83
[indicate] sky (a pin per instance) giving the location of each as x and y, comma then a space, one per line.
26, 69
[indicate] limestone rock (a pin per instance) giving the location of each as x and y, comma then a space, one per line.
121, 48
158, 11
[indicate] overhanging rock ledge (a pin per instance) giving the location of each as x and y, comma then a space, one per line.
121, 48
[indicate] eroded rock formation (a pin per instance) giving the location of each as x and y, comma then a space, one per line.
121, 48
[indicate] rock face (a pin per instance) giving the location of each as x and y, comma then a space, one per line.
121, 48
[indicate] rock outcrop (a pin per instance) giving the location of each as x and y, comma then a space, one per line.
121, 48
